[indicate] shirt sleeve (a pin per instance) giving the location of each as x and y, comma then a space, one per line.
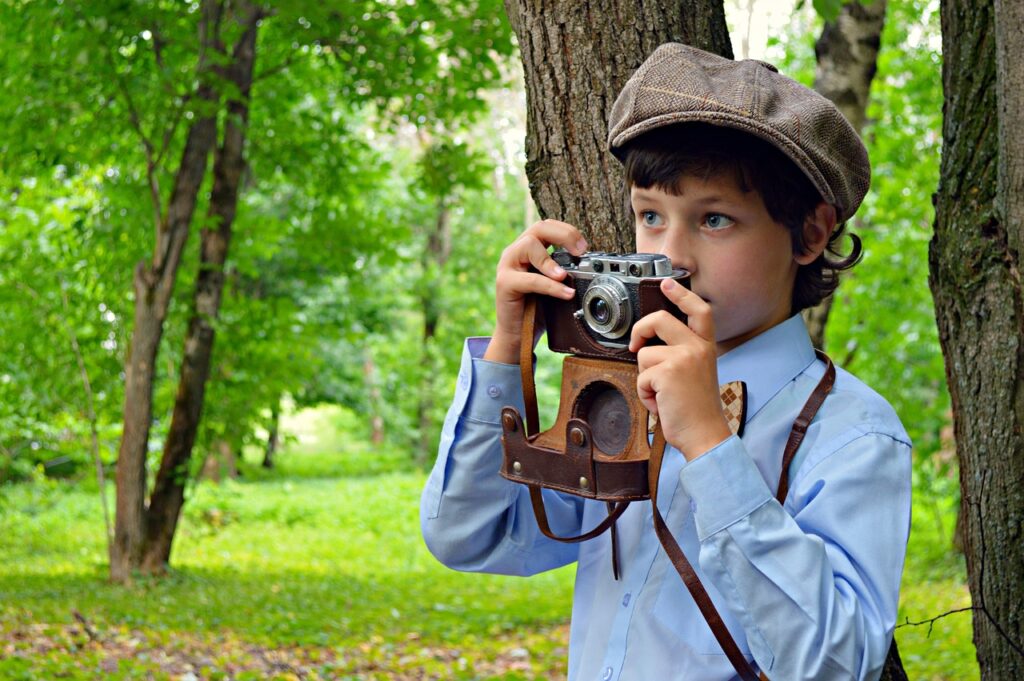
472, 519
815, 584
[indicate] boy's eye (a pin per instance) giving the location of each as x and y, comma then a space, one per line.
649, 218
718, 221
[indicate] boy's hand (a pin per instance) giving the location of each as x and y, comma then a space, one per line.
678, 381
514, 281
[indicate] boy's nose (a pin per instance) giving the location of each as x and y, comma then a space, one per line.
680, 255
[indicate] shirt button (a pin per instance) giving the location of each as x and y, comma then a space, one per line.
625, 600
494, 391
607, 674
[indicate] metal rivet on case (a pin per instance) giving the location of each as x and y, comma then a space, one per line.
517, 467
509, 422
577, 436
584, 483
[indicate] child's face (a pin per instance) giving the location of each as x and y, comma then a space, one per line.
741, 260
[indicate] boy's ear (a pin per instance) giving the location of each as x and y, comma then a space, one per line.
817, 229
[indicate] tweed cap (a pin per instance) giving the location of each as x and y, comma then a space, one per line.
681, 84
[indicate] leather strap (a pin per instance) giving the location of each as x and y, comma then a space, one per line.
614, 511
526, 365
799, 430
675, 554
686, 572
615, 542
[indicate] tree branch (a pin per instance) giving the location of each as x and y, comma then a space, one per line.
136, 123
981, 586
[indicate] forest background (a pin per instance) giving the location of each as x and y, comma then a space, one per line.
370, 220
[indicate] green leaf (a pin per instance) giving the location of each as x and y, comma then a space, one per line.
828, 9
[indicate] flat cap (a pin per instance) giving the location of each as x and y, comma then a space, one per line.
681, 84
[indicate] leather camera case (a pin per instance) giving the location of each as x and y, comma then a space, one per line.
567, 456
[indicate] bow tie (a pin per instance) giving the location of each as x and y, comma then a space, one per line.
734, 406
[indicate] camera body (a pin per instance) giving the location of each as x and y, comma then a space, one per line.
599, 445
613, 292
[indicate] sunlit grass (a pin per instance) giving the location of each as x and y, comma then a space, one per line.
934, 584
325, 552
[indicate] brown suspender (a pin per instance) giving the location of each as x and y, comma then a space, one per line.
676, 555
668, 542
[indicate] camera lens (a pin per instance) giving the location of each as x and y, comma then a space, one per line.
599, 310
607, 308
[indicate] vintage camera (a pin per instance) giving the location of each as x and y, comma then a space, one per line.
613, 291
599, 446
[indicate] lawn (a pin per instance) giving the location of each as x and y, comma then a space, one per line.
317, 571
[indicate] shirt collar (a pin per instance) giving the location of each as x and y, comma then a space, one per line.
767, 362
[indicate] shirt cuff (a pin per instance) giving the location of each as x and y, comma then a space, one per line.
492, 386
724, 485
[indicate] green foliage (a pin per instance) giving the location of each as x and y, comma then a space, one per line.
59, 325
101, 95
828, 9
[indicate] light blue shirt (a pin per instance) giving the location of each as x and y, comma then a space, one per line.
809, 590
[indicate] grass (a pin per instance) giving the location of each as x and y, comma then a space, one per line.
320, 564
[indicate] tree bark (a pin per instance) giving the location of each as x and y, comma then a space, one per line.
169, 489
373, 398
974, 263
153, 285
576, 57
273, 437
847, 53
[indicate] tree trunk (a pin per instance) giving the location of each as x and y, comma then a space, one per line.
169, 490
153, 285
847, 53
576, 58
273, 436
435, 256
221, 461
373, 391
974, 263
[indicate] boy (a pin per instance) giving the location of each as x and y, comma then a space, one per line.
741, 176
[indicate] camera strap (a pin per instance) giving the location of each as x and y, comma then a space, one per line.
526, 362
526, 358
675, 553
665, 537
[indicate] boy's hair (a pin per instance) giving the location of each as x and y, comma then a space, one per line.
661, 157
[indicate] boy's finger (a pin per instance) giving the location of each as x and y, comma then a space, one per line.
650, 356
536, 254
528, 282
556, 233
698, 312
659, 324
